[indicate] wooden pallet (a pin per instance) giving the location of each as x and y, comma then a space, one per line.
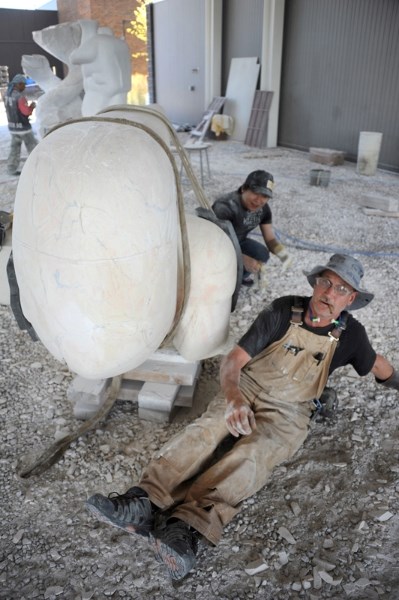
259, 119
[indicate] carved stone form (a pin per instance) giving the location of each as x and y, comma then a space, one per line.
99, 71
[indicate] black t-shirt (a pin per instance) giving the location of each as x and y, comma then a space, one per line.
354, 347
229, 208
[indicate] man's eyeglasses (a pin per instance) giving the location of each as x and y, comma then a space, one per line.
326, 284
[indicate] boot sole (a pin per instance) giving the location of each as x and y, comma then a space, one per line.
134, 529
178, 566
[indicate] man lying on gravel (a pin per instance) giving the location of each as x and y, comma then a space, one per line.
271, 383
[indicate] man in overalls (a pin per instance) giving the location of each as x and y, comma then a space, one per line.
270, 385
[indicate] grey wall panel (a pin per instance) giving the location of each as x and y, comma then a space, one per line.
340, 75
242, 32
179, 58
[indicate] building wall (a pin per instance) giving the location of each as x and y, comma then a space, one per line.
242, 32
179, 59
340, 75
16, 28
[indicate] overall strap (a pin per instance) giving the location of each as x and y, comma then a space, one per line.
340, 326
297, 312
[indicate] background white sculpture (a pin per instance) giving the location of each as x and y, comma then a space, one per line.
106, 68
63, 101
99, 71
38, 68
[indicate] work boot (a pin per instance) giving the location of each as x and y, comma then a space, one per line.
329, 403
175, 544
247, 280
132, 511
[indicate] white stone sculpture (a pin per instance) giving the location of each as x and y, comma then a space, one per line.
106, 68
97, 251
204, 325
62, 101
38, 68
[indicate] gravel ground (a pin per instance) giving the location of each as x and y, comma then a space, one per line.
327, 524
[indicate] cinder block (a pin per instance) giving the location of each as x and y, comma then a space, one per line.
325, 156
384, 203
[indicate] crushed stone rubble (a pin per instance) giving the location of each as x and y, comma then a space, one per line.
327, 524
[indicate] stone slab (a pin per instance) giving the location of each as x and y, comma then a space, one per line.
158, 396
87, 396
158, 416
129, 390
160, 371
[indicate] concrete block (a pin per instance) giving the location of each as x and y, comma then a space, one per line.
325, 156
384, 203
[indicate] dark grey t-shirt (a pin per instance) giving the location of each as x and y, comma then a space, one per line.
229, 208
354, 347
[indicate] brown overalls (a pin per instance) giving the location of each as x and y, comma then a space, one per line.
279, 384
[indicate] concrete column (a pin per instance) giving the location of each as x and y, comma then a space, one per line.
213, 49
272, 50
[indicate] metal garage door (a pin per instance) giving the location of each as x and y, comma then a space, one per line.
341, 75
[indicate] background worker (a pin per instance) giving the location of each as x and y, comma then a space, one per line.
18, 112
246, 208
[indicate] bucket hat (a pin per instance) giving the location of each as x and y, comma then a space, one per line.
350, 270
260, 182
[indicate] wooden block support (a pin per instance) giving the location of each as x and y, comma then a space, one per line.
160, 371
325, 156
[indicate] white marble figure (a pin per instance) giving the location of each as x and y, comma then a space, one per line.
38, 68
63, 101
98, 252
106, 67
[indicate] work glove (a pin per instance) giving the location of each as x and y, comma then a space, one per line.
391, 382
240, 419
282, 254
262, 278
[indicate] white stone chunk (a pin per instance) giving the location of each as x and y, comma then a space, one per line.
284, 533
256, 566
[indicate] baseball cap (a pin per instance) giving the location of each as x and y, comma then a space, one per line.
260, 182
